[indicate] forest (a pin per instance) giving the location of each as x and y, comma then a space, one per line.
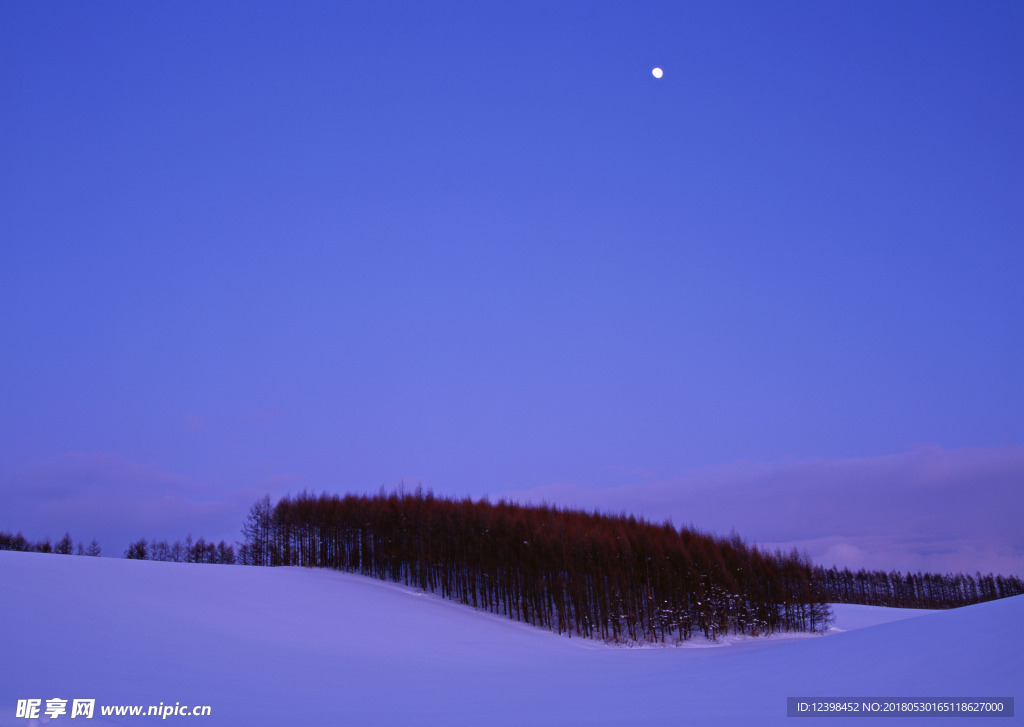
615, 578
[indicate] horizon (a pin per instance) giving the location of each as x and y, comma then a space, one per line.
403, 491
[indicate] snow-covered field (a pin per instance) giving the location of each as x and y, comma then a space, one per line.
289, 646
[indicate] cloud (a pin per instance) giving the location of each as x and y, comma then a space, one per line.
929, 508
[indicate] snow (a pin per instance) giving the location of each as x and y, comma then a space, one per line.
275, 646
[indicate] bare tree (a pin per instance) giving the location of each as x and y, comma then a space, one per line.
64, 546
137, 550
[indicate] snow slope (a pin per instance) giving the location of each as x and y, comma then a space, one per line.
289, 646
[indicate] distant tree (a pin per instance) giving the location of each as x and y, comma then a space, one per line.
192, 551
912, 590
93, 549
159, 550
137, 550
64, 546
13, 542
198, 550
225, 553
177, 552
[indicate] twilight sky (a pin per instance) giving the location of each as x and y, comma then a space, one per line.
255, 247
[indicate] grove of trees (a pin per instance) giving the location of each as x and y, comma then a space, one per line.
615, 578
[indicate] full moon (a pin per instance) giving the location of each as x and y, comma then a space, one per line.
656, 73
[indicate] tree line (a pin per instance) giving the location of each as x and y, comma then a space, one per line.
617, 578
64, 546
199, 551
913, 590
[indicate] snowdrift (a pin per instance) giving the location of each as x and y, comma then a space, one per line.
275, 646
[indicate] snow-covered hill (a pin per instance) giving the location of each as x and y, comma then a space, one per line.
289, 646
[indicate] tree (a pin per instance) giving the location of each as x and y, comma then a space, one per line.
64, 546
159, 550
93, 549
137, 550
225, 553
256, 531
13, 542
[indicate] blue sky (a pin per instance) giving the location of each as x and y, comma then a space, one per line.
261, 247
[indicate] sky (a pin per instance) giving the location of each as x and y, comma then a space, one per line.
264, 247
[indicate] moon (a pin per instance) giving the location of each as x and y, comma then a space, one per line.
656, 72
